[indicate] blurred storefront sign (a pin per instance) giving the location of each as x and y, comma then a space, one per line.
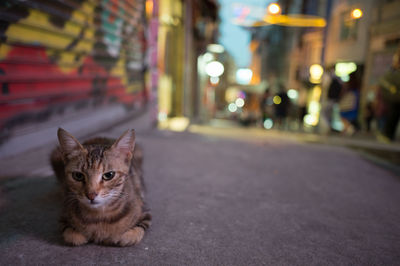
292, 20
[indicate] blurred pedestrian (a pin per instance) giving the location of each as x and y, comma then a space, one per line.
380, 110
333, 85
302, 104
282, 105
264, 102
390, 88
369, 115
348, 105
251, 110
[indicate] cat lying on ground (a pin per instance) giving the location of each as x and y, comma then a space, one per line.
103, 190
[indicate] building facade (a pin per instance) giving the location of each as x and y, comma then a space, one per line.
185, 30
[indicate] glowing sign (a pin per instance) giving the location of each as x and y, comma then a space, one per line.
293, 20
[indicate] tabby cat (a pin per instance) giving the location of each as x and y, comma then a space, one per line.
103, 190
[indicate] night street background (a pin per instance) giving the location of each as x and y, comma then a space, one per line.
270, 128
220, 201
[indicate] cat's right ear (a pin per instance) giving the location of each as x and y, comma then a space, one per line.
70, 146
125, 144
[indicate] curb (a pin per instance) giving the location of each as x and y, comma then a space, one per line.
96, 120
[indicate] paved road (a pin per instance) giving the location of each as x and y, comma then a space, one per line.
219, 201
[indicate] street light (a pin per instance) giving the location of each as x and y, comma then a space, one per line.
274, 9
316, 72
274, 17
356, 13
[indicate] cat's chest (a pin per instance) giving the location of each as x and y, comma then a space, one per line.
107, 224
107, 230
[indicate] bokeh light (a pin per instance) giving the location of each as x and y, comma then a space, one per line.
343, 69
293, 94
356, 13
274, 9
311, 120
243, 76
214, 80
268, 123
239, 102
232, 107
214, 69
162, 116
316, 72
277, 100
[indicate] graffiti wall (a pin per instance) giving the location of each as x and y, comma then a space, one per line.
61, 53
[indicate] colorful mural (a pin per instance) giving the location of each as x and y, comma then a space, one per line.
55, 54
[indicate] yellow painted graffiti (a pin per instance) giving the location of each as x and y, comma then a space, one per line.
69, 45
4, 50
38, 29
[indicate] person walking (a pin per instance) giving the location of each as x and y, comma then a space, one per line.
390, 88
348, 105
282, 105
332, 84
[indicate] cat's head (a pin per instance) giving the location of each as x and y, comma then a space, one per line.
95, 174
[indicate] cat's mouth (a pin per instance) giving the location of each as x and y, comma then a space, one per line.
94, 202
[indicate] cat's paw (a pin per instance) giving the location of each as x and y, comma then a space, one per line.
74, 238
131, 237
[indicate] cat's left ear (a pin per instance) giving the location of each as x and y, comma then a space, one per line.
126, 143
70, 146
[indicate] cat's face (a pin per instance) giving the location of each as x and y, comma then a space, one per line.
95, 175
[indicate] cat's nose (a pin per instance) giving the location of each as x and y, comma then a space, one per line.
91, 195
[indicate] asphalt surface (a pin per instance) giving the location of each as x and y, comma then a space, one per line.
220, 201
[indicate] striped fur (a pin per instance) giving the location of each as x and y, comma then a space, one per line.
110, 212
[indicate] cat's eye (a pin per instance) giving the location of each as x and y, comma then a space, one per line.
109, 175
78, 176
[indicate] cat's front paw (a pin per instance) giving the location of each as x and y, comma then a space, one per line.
73, 237
131, 237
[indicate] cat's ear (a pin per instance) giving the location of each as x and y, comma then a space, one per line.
70, 146
126, 143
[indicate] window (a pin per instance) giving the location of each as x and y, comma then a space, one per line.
348, 26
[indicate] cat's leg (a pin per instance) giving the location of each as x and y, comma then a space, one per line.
134, 236
73, 237
131, 237
145, 220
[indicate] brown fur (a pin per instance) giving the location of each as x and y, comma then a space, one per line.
97, 210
